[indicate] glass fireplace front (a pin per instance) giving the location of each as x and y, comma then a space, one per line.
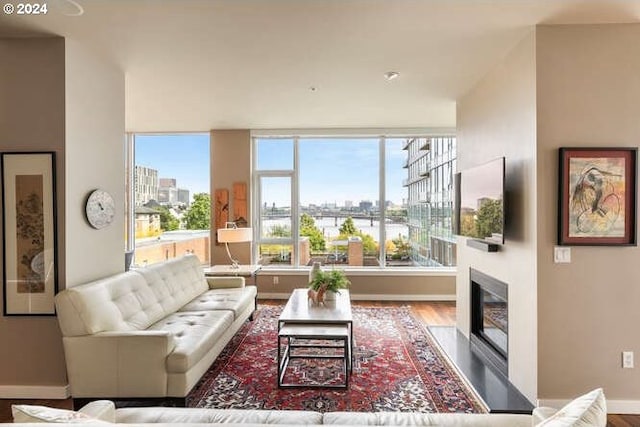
490, 318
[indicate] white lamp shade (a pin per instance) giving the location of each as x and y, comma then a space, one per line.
235, 235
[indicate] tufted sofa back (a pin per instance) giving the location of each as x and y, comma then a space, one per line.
130, 301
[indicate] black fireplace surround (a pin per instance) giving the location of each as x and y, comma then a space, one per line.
489, 319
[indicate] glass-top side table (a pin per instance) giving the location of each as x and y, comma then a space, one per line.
245, 270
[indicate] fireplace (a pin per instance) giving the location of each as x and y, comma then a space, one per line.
490, 319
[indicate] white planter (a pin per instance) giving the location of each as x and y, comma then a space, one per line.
329, 296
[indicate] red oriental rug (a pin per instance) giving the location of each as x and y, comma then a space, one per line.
398, 367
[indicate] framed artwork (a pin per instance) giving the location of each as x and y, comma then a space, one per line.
597, 195
221, 209
29, 233
240, 203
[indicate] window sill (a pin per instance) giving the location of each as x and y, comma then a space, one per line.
358, 271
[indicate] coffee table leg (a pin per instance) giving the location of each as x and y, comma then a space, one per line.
347, 361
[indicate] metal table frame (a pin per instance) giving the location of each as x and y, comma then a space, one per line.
299, 311
298, 336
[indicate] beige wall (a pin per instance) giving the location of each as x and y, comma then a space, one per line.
32, 118
58, 96
497, 118
588, 85
367, 286
230, 162
94, 151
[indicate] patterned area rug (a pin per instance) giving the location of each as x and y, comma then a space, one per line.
398, 367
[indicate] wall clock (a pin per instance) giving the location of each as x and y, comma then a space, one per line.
100, 209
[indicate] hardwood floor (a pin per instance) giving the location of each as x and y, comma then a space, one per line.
431, 313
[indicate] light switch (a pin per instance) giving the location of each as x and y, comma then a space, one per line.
561, 255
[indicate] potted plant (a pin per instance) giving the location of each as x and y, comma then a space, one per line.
330, 282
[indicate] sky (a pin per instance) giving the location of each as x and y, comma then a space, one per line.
332, 170
184, 157
482, 181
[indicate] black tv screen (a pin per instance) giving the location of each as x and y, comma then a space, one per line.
480, 201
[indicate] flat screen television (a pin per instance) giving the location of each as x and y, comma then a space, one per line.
480, 202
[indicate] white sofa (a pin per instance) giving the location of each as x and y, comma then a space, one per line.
151, 332
587, 410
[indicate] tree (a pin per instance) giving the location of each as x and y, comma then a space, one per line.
403, 247
168, 222
348, 228
279, 230
369, 245
489, 218
308, 228
198, 216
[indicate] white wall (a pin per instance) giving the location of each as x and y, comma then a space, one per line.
497, 118
94, 150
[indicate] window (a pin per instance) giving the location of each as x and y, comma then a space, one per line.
352, 201
169, 205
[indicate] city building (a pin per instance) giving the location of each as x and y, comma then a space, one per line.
146, 185
184, 197
365, 205
169, 194
431, 163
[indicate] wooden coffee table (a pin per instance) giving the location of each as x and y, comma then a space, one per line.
325, 324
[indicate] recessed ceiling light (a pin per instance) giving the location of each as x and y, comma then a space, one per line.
390, 75
70, 7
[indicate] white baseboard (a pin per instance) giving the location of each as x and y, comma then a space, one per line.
628, 407
369, 297
34, 392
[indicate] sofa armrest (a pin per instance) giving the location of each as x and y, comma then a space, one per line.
118, 364
221, 282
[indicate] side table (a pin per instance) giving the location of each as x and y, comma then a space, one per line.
245, 270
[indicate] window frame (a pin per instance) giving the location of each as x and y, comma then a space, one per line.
296, 136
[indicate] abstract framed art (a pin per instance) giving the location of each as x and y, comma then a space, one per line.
29, 233
597, 196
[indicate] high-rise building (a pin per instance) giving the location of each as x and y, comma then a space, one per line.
365, 205
169, 193
168, 182
431, 165
184, 196
146, 185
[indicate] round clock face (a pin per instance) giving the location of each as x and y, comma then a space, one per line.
100, 209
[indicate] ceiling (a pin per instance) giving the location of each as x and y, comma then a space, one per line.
195, 65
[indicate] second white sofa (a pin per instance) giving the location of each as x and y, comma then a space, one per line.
588, 410
151, 332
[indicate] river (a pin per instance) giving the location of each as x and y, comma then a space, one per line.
330, 229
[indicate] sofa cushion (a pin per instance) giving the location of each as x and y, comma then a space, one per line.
233, 416
194, 334
43, 414
587, 410
121, 302
424, 419
234, 299
175, 282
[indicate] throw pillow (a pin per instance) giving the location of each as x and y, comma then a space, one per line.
588, 410
43, 414
103, 410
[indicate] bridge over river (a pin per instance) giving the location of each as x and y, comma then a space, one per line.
339, 217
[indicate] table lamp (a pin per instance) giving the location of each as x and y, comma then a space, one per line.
232, 234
